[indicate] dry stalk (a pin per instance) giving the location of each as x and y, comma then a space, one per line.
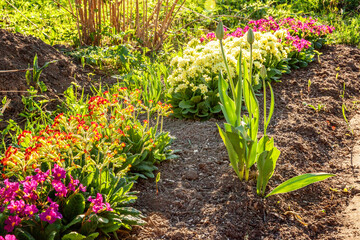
149, 20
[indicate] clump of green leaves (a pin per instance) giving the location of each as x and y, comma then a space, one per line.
316, 108
35, 78
119, 57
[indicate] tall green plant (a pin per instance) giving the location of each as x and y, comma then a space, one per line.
240, 135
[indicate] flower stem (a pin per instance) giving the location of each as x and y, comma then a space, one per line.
227, 70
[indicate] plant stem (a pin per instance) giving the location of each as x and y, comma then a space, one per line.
265, 126
247, 174
227, 69
242, 172
162, 122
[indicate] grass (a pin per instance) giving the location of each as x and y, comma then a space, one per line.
43, 19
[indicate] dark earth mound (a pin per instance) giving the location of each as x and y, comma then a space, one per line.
17, 52
200, 196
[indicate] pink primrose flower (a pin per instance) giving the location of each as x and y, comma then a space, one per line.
58, 172
11, 222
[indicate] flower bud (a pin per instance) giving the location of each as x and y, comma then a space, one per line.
219, 33
263, 72
250, 36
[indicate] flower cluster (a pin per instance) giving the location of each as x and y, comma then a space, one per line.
202, 63
22, 200
98, 204
108, 127
300, 32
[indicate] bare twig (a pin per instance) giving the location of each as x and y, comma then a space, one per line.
10, 91
16, 70
64, 8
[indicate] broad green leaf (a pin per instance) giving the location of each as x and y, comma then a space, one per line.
186, 104
73, 236
238, 144
88, 179
195, 99
92, 236
233, 156
76, 220
74, 207
227, 104
90, 225
298, 182
52, 229
52, 235
231, 151
103, 220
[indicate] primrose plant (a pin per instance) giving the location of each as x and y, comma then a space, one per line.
240, 134
51, 205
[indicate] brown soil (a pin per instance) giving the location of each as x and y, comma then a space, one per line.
17, 52
201, 198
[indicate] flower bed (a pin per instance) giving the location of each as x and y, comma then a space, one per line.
279, 46
94, 155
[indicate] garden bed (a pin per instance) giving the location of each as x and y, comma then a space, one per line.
200, 196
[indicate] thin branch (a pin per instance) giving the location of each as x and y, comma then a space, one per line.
16, 70
64, 8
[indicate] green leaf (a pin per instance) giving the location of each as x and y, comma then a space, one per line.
195, 99
52, 235
88, 179
74, 207
298, 182
186, 104
92, 236
52, 229
23, 235
227, 104
233, 156
73, 236
103, 220
76, 220
90, 225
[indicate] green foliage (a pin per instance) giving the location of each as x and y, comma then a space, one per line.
120, 57
43, 19
36, 70
150, 80
195, 104
347, 29
118, 194
74, 206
